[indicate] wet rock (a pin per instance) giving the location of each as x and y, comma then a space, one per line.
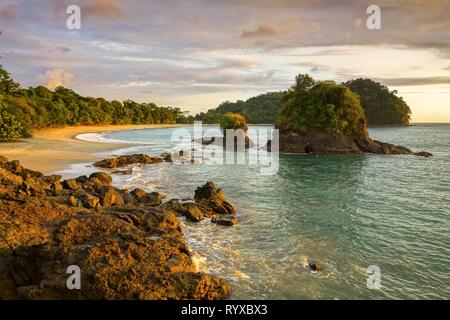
423, 154
314, 265
89, 201
225, 220
101, 178
213, 199
123, 161
123, 172
191, 211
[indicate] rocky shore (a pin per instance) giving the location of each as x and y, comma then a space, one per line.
327, 143
127, 244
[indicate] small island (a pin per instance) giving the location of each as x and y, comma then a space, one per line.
327, 118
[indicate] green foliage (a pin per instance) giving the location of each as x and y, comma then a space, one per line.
7, 85
382, 107
233, 121
260, 109
325, 106
37, 108
10, 128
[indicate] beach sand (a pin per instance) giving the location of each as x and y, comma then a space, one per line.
56, 149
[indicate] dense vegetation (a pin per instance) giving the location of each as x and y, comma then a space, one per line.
324, 106
260, 109
233, 121
10, 128
382, 107
39, 107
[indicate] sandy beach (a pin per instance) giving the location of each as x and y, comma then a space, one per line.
52, 150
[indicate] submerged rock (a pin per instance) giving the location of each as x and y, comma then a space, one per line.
132, 249
423, 154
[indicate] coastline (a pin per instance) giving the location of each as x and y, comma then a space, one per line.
55, 149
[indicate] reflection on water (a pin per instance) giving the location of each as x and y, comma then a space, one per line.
348, 212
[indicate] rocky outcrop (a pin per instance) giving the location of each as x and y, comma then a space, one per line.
327, 143
126, 244
123, 161
209, 202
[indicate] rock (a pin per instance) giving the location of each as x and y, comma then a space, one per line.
123, 172
225, 220
135, 251
3, 160
152, 199
191, 211
110, 197
73, 201
71, 184
327, 143
101, 178
213, 199
314, 265
123, 161
423, 154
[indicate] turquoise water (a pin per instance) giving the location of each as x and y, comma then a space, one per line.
348, 212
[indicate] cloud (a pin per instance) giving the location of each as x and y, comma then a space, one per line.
60, 49
420, 81
260, 31
8, 11
56, 77
107, 9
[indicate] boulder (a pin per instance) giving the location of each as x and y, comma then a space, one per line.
71, 184
101, 178
152, 199
225, 220
123, 172
110, 196
213, 199
126, 160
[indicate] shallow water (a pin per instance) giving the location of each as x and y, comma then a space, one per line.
348, 212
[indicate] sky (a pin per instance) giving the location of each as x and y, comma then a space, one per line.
197, 54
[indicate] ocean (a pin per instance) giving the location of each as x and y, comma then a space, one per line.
347, 212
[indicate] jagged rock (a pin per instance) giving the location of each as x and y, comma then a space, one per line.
225, 220
213, 200
190, 210
124, 251
423, 154
328, 143
3, 159
101, 178
71, 184
123, 161
153, 199
109, 196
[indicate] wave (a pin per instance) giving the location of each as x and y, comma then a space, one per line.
102, 137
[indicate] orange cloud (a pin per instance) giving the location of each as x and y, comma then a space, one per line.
56, 77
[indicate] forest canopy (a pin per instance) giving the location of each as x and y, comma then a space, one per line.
382, 107
323, 106
38, 108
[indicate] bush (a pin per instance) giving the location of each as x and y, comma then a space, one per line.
10, 128
233, 121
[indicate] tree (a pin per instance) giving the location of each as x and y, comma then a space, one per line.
382, 107
7, 85
10, 128
326, 106
233, 121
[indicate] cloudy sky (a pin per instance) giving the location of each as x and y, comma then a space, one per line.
196, 54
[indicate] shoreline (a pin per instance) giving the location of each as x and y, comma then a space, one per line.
55, 149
